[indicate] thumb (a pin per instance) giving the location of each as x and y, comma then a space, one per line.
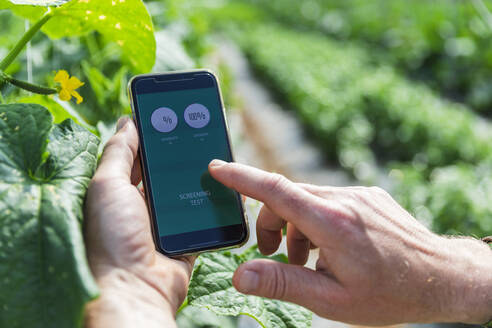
120, 152
287, 282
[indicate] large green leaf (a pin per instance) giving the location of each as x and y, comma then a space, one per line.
59, 113
125, 22
211, 288
195, 317
44, 172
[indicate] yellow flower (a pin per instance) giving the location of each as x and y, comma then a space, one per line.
68, 85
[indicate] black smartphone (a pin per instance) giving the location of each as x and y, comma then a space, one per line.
182, 126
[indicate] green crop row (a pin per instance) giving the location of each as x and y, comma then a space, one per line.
445, 43
454, 200
362, 113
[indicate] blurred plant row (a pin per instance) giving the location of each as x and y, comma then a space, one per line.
366, 117
444, 43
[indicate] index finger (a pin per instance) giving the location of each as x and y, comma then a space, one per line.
282, 196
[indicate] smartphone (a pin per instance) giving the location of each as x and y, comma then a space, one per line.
182, 126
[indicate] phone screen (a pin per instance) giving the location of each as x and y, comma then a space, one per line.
182, 128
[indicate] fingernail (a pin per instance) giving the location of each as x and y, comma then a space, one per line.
217, 163
122, 122
248, 281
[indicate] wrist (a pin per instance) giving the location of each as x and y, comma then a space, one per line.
128, 301
470, 292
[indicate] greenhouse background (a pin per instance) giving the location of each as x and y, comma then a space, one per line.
393, 93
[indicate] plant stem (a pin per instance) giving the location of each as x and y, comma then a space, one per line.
35, 88
24, 40
32, 87
28, 55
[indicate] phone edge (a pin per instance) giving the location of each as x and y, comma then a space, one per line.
144, 178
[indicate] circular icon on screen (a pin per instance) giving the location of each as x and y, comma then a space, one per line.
164, 119
197, 116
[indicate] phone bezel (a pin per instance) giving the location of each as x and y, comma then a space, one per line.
179, 76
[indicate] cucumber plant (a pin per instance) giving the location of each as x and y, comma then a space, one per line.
48, 155
437, 153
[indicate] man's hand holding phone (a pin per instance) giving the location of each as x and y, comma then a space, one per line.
377, 264
139, 286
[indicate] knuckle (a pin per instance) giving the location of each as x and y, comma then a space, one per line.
119, 143
365, 193
275, 183
375, 190
277, 286
347, 215
355, 193
115, 140
350, 213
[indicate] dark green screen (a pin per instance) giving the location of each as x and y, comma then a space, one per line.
185, 196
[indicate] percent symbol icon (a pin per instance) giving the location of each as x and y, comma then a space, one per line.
164, 119
167, 119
